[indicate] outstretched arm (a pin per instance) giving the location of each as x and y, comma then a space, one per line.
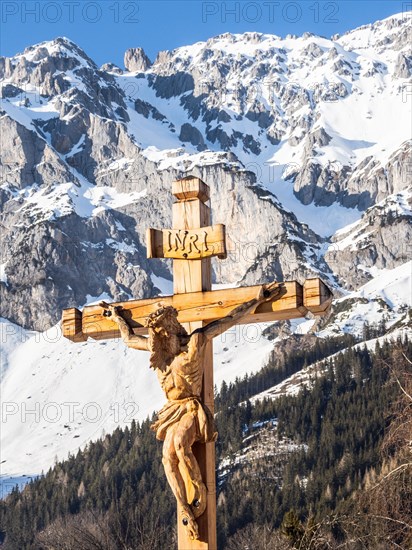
266, 293
129, 338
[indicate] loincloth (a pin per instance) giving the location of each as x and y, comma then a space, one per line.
173, 411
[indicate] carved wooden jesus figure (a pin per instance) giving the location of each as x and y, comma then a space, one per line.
177, 358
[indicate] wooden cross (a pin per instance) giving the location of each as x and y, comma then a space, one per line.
191, 243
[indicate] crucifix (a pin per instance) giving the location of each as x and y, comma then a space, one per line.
180, 331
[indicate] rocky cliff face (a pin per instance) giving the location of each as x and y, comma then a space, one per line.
285, 131
379, 241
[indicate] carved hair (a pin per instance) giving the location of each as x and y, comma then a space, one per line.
164, 332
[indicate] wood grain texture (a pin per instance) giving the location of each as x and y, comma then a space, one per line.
72, 325
317, 297
196, 307
189, 188
190, 277
205, 307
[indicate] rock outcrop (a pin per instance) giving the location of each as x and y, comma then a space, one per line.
135, 60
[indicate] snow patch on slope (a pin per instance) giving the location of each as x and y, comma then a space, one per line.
388, 295
52, 404
393, 285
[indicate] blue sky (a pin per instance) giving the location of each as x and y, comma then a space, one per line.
105, 29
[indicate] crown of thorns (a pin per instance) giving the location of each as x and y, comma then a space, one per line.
154, 319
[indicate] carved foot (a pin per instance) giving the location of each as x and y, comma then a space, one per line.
190, 524
198, 505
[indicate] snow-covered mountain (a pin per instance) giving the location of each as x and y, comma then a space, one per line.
305, 143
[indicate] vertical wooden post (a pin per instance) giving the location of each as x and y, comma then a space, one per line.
191, 212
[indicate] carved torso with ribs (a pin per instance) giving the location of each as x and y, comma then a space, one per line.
182, 378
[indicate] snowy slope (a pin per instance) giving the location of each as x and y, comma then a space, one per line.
58, 395
389, 294
388, 297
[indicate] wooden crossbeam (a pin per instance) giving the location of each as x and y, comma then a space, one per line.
294, 302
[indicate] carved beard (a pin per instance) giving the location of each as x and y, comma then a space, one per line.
164, 341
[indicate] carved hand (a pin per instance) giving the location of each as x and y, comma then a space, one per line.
110, 310
267, 292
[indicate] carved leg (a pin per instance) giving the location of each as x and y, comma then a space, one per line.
171, 467
184, 437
